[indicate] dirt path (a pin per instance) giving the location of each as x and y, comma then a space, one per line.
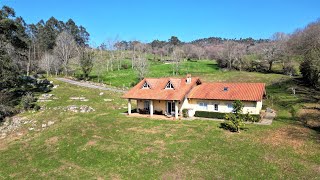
88, 85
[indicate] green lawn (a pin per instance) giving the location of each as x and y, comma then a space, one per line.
207, 70
108, 145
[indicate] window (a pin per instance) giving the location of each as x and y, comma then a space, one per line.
146, 86
225, 89
230, 107
203, 106
146, 105
169, 85
215, 107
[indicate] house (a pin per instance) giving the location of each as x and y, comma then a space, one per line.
169, 96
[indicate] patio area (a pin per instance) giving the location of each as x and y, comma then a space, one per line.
154, 116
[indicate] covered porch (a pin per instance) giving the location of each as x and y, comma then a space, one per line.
167, 108
154, 116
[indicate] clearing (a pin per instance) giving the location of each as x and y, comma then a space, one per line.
104, 144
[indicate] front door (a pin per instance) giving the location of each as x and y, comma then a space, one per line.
171, 107
146, 105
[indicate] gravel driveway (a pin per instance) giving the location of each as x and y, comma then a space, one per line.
88, 85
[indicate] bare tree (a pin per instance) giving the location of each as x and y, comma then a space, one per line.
110, 47
141, 63
65, 49
270, 51
306, 44
86, 61
239, 51
56, 65
100, 62
227, 55
142, 66
47, 62
188, 50
119, 54
274, 50
176, 56
199, 52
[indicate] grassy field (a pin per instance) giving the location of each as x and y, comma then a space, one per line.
106, 144
206, 69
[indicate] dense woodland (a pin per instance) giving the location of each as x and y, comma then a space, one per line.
54, 47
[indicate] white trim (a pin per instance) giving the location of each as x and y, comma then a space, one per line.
145, 85
216, 109
173, 106
169, 85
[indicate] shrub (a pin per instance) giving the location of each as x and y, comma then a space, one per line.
158, 112
228, 125
28, 101
207, 114
5, 111
234, 122
218, 115
43, 85
124, 66
289, 69
185, 113
251, 117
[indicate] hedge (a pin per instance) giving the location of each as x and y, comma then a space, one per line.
207, 114
218, 115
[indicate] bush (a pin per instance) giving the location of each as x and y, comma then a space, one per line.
185, 113
228, 125
43, 85
158, 112
251, 117
5, 111
207, 114
217, 115
28, 101
289, 69
124, 66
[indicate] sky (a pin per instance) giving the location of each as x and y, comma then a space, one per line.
146, 20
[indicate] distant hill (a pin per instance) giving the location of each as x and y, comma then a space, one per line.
219, 40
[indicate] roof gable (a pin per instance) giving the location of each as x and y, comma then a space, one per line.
146, 85
158, 89
169, 85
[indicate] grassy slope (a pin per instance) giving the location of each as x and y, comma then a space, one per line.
106, 144
206, 69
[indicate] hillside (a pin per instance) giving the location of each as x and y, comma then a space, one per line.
105, 144
205, 69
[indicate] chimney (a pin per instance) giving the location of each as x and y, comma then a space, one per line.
188, 81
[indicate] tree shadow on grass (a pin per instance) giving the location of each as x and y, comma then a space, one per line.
213, 66
281, 93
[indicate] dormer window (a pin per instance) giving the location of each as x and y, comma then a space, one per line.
169, 85
225, 89
145, 85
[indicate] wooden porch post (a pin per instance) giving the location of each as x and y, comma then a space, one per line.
176, 109
151, 108
129, 106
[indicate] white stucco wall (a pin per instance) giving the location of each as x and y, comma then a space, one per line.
193, 105
250, 107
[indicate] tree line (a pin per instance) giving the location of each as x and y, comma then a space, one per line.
294, 54
29, 48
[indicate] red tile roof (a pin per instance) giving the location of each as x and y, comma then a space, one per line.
157, 89
235, 91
